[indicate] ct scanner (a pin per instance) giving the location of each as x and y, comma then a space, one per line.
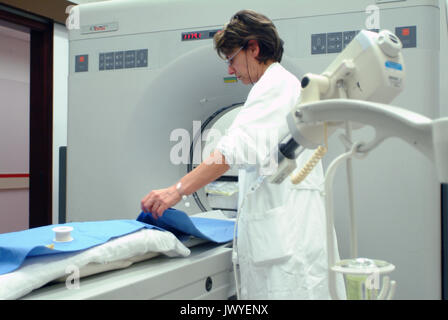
122, 123
139, 70
121, 120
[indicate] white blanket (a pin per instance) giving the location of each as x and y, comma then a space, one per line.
117, 253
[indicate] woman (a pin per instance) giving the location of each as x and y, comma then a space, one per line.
281, 245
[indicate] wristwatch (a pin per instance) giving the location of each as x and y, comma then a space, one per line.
178, 189
184, 197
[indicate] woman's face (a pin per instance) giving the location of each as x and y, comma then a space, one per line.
244, 65
238, 65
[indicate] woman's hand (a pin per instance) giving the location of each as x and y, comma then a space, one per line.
157, 201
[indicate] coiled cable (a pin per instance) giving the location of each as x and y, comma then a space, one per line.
315, 158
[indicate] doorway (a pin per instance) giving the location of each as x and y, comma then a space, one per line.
40, 33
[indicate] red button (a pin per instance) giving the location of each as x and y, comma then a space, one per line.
81, 59
405, 32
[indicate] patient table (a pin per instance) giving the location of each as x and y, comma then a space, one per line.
205, 274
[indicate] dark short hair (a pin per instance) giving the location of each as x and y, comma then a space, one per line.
248, 25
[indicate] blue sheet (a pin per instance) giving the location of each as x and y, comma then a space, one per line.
15, 247
182, 225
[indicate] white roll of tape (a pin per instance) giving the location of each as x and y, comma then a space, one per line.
62, 234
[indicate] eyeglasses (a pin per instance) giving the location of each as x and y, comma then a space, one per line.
230, 60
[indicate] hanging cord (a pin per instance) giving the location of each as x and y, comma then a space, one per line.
247, 68
252, 189
347, 140
351, 196
235, 254
317, 156
329, 209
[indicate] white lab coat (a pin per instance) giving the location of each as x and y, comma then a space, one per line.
281, 239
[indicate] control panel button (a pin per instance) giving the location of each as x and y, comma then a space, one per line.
82, 63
